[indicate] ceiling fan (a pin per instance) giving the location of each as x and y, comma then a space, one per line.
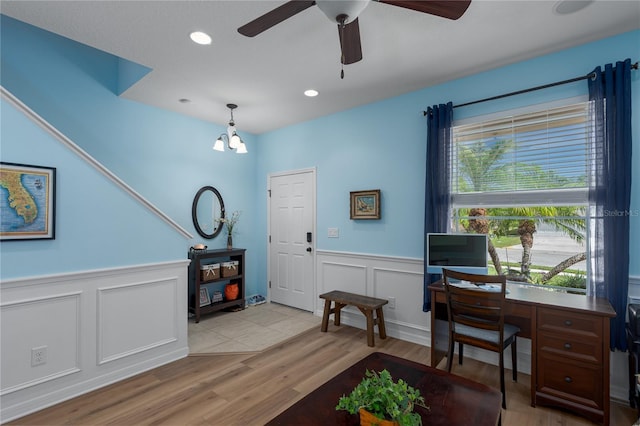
345, 14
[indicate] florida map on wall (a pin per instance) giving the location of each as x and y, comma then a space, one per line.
27, 202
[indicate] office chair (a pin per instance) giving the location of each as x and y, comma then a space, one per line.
476, 317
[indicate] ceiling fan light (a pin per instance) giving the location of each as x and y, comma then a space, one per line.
565, 7
219, 145
242, 148
333, 9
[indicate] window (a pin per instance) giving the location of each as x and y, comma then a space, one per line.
523, 180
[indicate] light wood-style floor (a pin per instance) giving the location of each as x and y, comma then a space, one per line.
251, 388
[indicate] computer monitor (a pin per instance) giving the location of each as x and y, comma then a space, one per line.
458, 252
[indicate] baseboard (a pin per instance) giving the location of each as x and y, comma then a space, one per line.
57, 396
402, 331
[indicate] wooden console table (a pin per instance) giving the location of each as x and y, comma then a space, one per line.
196, 282
452, 400
569, 345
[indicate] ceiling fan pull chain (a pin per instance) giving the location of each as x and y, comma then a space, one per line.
341, 20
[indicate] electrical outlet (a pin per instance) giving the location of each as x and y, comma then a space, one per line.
38, 356
392, 302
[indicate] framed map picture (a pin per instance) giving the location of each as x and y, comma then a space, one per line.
365, 204
27, 202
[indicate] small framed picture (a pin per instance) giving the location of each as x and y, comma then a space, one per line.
365, 204
204, 297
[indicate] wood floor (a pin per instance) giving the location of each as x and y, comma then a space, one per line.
250, 389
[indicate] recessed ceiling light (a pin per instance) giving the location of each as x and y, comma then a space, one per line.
200, 37
566, 7
311, 93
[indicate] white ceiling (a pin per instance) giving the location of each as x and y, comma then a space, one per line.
266, 75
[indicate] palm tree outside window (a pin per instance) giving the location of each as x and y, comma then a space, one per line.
523, 180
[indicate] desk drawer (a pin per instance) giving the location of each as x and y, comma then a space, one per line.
580, 383
568, 380
565, 322
569, 346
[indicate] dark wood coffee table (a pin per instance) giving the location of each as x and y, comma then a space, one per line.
453, 400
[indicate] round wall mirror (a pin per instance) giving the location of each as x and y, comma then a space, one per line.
206, 211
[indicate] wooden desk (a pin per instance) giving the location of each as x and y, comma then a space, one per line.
452, 400
569, 345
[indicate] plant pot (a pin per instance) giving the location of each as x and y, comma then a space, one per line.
231, 291
368, 419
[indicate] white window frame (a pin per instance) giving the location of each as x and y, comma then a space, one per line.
555, 197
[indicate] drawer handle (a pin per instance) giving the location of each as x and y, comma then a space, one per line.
567, 345
568, 379
568, 323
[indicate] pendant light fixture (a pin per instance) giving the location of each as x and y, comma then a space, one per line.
231, 138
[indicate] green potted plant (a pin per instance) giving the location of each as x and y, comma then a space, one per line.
385, 399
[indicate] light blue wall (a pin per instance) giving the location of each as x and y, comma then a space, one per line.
378, 146
167, 157
164, 156
382, 145
97, 224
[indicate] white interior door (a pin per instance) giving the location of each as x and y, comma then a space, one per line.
292, 239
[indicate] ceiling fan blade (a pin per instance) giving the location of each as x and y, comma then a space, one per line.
274, 17
350, 42
450, 9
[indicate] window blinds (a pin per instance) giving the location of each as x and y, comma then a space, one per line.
539, 158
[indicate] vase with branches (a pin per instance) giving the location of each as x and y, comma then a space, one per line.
230, 223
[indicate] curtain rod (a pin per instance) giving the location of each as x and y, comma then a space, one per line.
531, 89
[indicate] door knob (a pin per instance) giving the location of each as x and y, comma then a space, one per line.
309, 249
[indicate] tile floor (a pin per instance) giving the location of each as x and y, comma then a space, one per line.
252, 329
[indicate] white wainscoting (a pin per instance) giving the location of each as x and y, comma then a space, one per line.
378, 276
634, 289
98, 327
619, 360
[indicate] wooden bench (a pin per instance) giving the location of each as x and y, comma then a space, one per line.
366, 305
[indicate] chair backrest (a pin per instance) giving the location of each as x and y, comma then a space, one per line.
475, 307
